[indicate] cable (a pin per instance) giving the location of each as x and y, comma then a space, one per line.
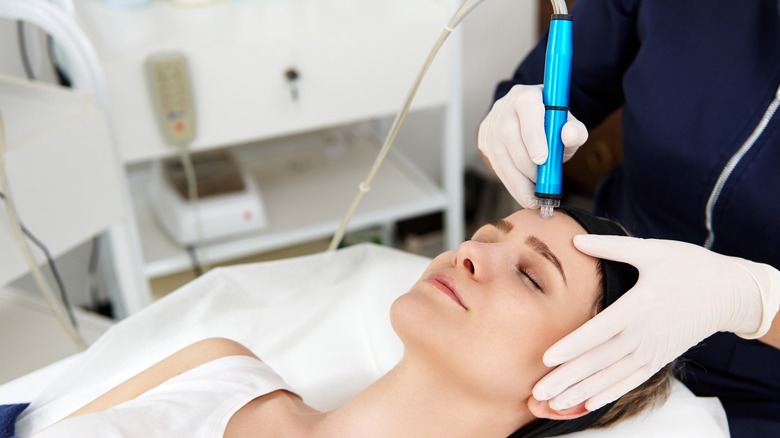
28, 70
13, 221
365, 186
559, 7
52, 266
199, 264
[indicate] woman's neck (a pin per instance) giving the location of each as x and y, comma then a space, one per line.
411, 401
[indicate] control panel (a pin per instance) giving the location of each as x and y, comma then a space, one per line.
171, 87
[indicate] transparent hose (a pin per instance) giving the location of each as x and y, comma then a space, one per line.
559, 7
202, 265
365, 186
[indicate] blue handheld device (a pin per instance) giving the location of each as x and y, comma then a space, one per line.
557, 74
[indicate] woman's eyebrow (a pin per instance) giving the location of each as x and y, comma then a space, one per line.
541, 248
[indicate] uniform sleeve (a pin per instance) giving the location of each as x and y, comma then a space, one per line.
605, 42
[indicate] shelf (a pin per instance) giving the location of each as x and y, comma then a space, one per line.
290, 174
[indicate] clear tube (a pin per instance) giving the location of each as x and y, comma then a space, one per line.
559, 7
194, 204
365, 186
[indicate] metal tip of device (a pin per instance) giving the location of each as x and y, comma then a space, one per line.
546, 211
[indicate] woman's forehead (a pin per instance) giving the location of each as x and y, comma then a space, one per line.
559, 224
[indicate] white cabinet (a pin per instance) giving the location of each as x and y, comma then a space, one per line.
355, 61
60, 165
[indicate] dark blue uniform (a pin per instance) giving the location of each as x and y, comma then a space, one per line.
698, 81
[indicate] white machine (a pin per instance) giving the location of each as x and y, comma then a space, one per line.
229, 202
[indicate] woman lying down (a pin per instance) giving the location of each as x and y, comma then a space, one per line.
474, 328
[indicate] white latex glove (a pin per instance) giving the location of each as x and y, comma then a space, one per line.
512, 138
684, 294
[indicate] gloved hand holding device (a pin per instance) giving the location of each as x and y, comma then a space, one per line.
684, 294
512, 139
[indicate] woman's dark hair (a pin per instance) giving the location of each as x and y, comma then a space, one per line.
616, 279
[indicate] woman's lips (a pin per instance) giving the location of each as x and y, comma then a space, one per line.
445, 283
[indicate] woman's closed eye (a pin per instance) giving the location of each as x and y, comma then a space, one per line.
529, 279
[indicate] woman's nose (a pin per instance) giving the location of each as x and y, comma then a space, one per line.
469, 256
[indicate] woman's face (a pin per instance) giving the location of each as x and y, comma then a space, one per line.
487, 311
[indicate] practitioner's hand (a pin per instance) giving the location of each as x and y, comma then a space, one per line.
684, 294
512, 139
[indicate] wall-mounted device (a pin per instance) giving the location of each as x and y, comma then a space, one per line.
172, 96
196, 197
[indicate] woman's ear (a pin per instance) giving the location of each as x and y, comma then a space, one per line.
541, 409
